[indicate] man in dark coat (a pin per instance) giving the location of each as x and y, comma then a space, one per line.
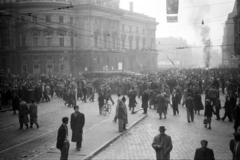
162, 104
100, 102
228, 109
132, 99
204, 153
33, 112
236, 114
208, 113
23, 114
162, 144
62, 139
145, 98
15, 103
217, 107
235, 145
175, 101
190, 108
77, 123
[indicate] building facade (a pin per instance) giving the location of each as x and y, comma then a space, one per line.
69, 37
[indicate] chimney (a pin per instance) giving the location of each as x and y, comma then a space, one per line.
131, 6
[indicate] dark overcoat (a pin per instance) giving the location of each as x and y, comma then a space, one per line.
204, 154
23, 112
77, 123
235, 151
162, 144
33, 112
62, 136
145, 98
208, 110
198, 102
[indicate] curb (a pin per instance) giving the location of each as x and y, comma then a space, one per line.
98, 150
5, 109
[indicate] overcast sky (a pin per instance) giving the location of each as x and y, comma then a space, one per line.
214, 13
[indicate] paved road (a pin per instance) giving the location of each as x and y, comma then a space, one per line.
40, 143
17, 144
136, 144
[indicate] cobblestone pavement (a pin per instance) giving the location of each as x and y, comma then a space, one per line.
136, 144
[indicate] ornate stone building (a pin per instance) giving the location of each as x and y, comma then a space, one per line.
63, 37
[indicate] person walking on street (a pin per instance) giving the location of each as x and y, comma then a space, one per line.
33, 112
132, 100
145, 98
235, 145
100, 102
162, 144
62, 139
190, 108
162, 105
204, 153
15, 103
228, 109
23, 114
175, 102
236, 115
77, 124
208, 113
217, 106
121, 115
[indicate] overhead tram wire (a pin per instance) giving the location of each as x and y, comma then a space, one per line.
75, 5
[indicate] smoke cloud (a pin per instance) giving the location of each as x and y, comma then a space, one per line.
207, 45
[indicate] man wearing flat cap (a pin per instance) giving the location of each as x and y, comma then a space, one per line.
162, 144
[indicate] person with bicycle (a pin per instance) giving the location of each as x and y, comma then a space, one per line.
107, 95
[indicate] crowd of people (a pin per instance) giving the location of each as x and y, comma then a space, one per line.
196, 89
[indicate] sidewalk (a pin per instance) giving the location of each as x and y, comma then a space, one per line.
95, 138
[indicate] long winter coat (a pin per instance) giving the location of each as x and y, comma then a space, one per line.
121, 112
162, 144
145, 98
33, 112
61, 136
77, 123
23, 112
198, 102
208, 110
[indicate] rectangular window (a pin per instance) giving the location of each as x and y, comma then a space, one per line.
123, 43
24, 68
137, 30
71, 20
34, 19
105, 41
72, 41
48, 18
137, 43
49, 41
61, 41
61, 19
23, 41
130, 29
123, 28
35, 41
143, 43
130, 42
239, 26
